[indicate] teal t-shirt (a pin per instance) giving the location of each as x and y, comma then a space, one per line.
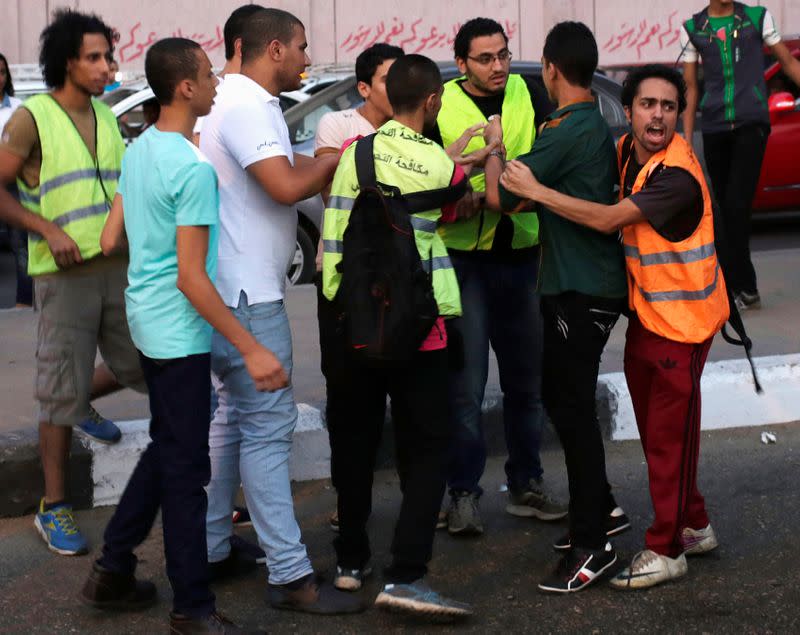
166, 182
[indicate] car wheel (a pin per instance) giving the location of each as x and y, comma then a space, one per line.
303, 266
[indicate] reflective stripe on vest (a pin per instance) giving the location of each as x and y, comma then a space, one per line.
458, 113
675, 288
74, 190
437, 173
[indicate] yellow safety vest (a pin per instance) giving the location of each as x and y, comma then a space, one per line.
458, 113
412, 163
75, 190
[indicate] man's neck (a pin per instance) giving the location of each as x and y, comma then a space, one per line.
719, 10
264, 77
232, 66
372, 114
72, 98
569, 94
177, 118
414, 120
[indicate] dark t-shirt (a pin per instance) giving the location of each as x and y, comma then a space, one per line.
671, 200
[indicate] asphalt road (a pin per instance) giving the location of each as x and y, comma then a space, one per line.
745, 586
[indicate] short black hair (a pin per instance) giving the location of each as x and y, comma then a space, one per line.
571, 47
631, 84
168, 62
61, 41
370, 58
411, 79
264, 26
477, 27
232, 30
9, 89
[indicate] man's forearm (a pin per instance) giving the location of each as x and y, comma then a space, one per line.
492, 170
597, 216
16, 215
204, 297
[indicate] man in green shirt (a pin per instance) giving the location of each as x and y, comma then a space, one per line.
583, 287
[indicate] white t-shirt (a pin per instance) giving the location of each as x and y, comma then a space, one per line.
8, 105
333, 130
198, 125
769, 35
337, 127
257, 234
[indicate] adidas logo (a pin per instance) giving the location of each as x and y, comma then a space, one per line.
667, 363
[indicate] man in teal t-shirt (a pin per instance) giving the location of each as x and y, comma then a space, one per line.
168, 203
583, 286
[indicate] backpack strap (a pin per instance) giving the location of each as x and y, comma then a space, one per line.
365, 161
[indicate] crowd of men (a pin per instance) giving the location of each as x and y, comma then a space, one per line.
171, 258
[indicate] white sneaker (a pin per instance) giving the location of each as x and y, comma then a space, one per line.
649, 568
697, 541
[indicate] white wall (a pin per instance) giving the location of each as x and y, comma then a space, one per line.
627, 31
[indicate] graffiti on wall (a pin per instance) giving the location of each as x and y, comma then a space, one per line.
416, 36
134, 42
645, 37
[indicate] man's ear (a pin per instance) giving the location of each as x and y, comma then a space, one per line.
237, 48
275, 49
461, 63
364, 89
185, 89
627, 110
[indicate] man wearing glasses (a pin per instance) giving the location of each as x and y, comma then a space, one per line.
495, 257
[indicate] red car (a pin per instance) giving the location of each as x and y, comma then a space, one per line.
779, 185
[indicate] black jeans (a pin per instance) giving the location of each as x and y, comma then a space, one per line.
576, 329
734, 164
355, 416
171, 474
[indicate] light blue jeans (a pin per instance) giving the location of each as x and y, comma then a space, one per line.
250, 441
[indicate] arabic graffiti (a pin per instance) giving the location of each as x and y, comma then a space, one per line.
414, 37
644, 35
136, 42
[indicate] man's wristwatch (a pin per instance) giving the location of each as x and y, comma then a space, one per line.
498, 153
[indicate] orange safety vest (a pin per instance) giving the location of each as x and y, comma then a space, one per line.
676, 288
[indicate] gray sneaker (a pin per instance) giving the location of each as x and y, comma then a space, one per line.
534, 501
463, 517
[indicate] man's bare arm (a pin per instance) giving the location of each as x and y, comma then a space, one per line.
193, 281
608, 219
789, 63
690, 76
65, 251
288, 184
113, 239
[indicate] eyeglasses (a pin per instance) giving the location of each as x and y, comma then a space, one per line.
484, 59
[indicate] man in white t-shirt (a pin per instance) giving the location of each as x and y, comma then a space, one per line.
232, 35
260, 179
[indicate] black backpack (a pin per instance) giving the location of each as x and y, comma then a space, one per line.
386, 295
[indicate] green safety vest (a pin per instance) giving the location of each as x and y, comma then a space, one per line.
412, 163
458, 113
74, 191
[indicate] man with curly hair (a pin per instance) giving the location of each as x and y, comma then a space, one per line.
64, 149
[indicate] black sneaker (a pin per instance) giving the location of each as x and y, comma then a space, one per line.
535, 502
463, 517
617, 522
334, 521
241, 517
243, 558
311, 595
578, 568
110, 591
747, 301
214, 623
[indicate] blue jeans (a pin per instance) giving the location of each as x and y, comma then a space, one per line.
501, 308
250, 441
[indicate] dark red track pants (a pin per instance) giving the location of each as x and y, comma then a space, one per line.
664, 381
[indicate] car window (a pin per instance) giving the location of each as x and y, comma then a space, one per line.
135, 121
116, 96
305, 128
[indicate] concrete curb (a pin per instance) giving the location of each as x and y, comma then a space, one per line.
100, 472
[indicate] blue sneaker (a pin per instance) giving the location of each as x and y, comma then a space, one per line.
418, 598
57, 528
98, 428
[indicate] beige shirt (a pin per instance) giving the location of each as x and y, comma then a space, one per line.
21, 138
333, 130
